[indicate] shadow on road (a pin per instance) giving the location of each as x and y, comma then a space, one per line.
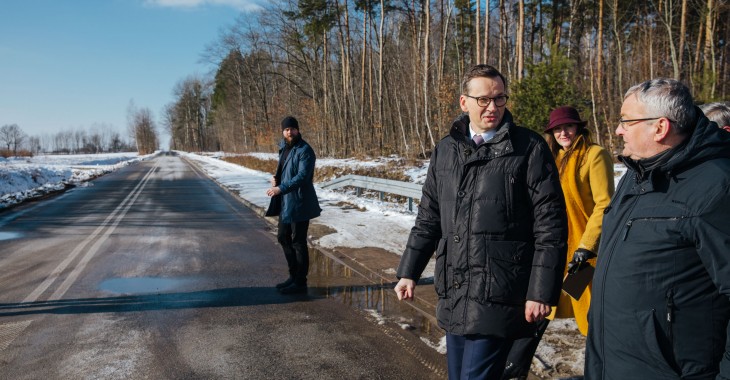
227, 297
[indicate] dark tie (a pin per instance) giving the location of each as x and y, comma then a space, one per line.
478, 139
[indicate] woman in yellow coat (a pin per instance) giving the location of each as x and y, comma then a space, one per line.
586, 175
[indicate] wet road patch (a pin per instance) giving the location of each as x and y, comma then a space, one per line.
142, 285
10, 235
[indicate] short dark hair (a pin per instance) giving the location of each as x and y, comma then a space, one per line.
480, 71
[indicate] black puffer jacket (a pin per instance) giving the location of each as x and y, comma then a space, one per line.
660, 304
495, 216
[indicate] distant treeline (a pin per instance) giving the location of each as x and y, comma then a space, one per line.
380, 77
101, 138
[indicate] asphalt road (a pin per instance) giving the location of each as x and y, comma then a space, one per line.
154, 272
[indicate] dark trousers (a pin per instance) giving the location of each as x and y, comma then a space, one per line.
476, 356
520, 355
293, 239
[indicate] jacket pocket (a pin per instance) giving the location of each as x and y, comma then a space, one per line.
657, 345
439, 276
507, 274
509, 194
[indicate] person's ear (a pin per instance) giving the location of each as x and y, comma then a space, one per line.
662, 129
462, 103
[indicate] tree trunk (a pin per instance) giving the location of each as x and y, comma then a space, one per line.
696, 65
682, 34
486, 33
502, 33
426, 61
619, 48
666, 13
478, 32
709, 54
381, 44
520, 43
599, 50
363, 63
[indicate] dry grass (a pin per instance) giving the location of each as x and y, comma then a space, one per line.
5, 153
267, 166
391, 170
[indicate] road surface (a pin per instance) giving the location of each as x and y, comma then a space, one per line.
154, 272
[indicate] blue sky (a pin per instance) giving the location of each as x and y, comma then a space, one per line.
73, 64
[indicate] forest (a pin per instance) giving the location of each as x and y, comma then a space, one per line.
381, 77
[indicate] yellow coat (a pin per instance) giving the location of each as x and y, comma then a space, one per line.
586, 195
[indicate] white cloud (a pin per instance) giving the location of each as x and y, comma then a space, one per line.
242, 5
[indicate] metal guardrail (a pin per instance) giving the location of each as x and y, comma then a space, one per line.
406, 189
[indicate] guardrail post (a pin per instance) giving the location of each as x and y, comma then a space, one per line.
358, 191
382, 196
410, 204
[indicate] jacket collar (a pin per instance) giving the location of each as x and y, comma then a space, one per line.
460, 128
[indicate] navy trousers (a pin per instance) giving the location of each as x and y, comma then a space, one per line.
473, 357
293, 240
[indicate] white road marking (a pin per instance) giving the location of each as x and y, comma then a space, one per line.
10, 331
56, 273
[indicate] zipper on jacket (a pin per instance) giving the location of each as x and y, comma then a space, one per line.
628, 227
630, 222
670, 312
510, 201
607, 257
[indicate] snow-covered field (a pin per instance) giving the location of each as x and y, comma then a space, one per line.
374, 224
23, 178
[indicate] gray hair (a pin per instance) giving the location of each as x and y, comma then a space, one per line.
719, 112
668, 98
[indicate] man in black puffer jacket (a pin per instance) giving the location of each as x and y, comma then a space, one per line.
660, 307
493, 212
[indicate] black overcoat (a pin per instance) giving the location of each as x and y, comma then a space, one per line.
495, 218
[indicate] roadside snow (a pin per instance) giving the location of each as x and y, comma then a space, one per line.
22, 178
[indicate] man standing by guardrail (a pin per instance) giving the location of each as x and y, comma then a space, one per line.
493, 211
294, 200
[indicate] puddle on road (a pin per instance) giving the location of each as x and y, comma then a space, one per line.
141, 285
10, 235
331, 279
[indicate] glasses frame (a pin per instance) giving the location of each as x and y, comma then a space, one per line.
624, 123
479, 100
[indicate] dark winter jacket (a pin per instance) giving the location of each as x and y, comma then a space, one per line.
299, 201
660, 305
495, 217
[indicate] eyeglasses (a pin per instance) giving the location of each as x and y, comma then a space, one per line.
484, 101
625, 123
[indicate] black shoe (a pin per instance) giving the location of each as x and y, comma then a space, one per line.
294, 289
511, 371
286, 283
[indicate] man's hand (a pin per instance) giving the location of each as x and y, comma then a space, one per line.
536, 311
273, 191
405, 289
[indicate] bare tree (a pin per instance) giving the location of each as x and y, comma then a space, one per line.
145, 131
12, 137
